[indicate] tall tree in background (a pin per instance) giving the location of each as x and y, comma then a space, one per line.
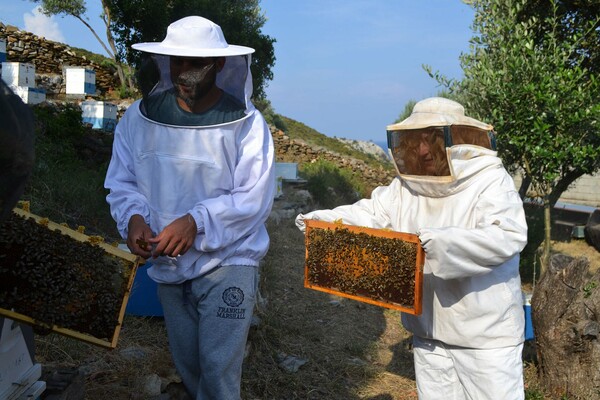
135, 21
530, 71
77, 9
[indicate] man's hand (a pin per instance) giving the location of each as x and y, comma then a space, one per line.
177, 237
138, 235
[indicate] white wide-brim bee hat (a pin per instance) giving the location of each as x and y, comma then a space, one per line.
195, 36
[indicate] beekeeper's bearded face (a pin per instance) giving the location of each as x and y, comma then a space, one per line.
194, 77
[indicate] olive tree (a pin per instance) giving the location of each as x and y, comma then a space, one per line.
536, 87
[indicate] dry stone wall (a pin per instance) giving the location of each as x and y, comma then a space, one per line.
294, 150
50, 59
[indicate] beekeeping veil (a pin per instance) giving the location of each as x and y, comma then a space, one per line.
196, 36
16, 148
421, 145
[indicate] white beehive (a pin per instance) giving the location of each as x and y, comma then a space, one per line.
18, 74
286, 170
30, 95
80, 80
18, 374
2, 50
100, 114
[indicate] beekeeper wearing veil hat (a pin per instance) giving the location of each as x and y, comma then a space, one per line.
191, 186
454, 193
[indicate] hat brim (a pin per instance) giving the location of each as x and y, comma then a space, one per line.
424, 120
159, 48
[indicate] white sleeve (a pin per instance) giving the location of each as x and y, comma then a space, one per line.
370, 213
499, 235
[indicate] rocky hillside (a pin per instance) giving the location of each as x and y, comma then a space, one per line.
366, 147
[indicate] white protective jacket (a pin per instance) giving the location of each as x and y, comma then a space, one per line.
472, 231
221, 175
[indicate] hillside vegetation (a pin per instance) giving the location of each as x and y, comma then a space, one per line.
298, 130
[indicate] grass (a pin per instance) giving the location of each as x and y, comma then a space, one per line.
67, 183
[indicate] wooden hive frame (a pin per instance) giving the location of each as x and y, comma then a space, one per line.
375, 266
130, 263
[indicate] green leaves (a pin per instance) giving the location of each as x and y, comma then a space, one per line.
532, 72
532, 84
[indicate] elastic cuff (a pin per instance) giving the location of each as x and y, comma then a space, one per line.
198, 219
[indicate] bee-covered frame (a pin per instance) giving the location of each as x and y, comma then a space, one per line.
129, 262
359, 263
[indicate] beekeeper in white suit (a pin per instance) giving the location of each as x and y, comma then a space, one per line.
454, 193
191, 186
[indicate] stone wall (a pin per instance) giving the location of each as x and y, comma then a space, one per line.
50, 59
585, 190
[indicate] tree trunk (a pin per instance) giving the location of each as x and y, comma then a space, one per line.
565, 313
545, 258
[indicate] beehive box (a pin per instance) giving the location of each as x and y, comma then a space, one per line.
2, 50
374, 266
80, 81
61, 280
100, 114
18, 74
30, 95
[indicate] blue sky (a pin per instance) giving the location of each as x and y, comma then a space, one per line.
344, 67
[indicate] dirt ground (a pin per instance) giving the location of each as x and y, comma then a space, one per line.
352, 350
305, 344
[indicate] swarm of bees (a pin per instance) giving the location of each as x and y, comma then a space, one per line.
58, 280
362, 265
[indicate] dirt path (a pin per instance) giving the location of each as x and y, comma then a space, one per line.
348, 349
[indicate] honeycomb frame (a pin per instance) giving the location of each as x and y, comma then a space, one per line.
375, 266
125, 260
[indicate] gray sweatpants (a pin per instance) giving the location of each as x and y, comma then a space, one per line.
208, 319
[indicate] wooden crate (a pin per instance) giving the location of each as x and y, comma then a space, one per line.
89, 304
374, 266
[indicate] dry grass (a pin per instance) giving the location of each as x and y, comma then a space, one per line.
579, 248
353, 350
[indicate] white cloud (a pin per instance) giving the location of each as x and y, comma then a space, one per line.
41, 25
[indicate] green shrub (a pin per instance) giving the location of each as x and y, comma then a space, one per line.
329, 185
66, 185
59, 124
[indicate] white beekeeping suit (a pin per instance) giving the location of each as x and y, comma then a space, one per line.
454, 193
191, 185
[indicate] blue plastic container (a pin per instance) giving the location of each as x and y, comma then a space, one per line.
143, 300
528, 323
